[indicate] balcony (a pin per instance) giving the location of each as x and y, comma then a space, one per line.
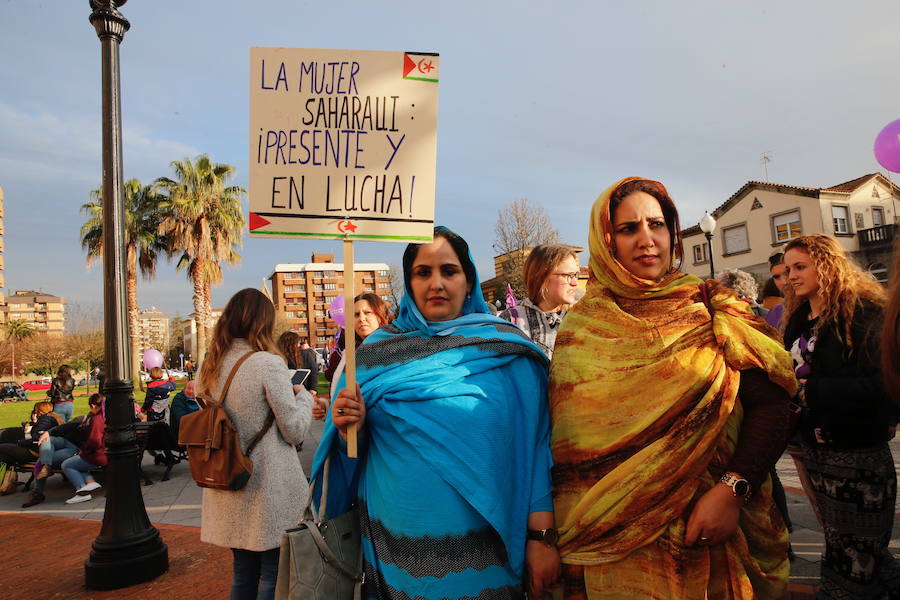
877, 237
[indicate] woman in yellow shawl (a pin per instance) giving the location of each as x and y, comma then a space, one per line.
669, 401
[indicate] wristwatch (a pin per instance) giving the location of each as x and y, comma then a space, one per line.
545, 536
740, 487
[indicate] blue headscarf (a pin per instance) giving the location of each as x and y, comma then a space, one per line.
414, 360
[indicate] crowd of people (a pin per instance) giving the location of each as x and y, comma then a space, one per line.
616, 445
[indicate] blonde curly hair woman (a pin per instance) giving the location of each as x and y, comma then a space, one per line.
833, 315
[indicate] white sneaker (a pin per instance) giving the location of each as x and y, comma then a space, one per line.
78, 498
88, 487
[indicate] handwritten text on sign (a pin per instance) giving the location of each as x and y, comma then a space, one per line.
342, 143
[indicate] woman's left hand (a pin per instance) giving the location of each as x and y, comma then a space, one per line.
714, 518
542, 568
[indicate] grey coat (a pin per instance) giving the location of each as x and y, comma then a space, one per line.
255, 517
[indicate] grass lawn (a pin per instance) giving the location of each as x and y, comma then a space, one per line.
13, 413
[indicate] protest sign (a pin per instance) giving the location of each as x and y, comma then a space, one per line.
342, 144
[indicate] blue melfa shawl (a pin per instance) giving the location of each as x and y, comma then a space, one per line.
503, 473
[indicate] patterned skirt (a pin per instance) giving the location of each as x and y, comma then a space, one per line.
855, 491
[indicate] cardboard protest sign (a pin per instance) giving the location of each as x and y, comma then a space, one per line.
343, 144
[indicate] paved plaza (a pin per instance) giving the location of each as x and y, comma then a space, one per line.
177, 502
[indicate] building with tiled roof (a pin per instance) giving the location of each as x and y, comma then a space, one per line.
761, 217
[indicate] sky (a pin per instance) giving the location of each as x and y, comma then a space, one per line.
547, 101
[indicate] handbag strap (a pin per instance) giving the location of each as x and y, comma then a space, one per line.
269, 419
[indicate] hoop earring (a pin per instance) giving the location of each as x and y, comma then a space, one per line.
543, 293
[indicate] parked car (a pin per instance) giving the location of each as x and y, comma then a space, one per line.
10, 391
92, 381
36, 384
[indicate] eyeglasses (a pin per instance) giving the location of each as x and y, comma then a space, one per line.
569, 277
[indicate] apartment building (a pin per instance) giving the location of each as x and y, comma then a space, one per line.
46, 313
153, 330
761, 217
188, 329
303, 292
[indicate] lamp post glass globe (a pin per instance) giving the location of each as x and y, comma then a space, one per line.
708, 223
708, 227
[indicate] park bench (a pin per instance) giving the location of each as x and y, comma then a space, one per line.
142, 432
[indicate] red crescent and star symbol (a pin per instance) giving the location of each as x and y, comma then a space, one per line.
346, 226
417, 65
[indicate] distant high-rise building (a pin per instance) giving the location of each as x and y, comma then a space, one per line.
153, 328
45, 312
303, 292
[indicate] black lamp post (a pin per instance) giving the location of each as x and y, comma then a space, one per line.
129, 549
708, 227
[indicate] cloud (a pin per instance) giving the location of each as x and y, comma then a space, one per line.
67, 147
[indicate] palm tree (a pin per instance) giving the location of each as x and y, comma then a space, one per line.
143, 245
16, 330
204, 221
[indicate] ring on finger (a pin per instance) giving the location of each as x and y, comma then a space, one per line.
703, 541
340, 411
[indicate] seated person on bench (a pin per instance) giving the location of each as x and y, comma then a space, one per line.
91, 454
25, 450
184, 403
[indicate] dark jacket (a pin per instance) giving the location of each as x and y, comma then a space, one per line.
72, 431
44, 423
844, 391
157, 391
61, 391
308, 356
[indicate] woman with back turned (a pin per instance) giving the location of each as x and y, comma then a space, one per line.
260, 400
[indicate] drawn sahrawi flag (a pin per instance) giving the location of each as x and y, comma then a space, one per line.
422, 67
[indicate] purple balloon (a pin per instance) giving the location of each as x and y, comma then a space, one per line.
337, 310
887, 147
152, 358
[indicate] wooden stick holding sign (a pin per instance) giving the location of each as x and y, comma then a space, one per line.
349, 338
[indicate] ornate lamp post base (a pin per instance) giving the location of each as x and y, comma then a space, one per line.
129, 549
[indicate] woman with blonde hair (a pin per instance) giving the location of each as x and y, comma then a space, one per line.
264, 408
833, 315
669, 404
551, 280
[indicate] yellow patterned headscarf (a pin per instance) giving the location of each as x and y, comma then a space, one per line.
643, 396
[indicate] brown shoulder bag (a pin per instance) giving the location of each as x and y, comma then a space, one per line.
213, 445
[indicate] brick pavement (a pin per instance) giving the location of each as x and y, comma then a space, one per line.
177, 503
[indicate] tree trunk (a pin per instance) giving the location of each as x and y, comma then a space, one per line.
197, 278
12, 352
132, 307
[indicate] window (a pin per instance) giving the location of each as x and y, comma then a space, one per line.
700, 254
382, 273
330, 286
320, 313
317, 287
786, 226
840, 219
735, 239
384, 285
289, 315
877, 216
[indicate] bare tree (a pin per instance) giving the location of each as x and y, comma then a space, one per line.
520, 226
395, 276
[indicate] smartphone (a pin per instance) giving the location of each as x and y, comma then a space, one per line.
299, 376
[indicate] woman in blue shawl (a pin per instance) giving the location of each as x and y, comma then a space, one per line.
454, 472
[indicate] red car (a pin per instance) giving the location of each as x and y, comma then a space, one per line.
36, 384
